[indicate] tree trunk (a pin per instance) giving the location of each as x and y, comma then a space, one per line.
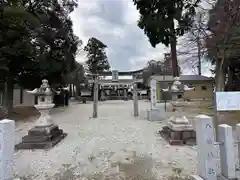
70, 89
173, 45
8, 95
92, 90
230, 79
219, 87
21, 95
77, 90
219, 77
199, 57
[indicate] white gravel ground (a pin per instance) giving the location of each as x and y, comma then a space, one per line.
115, 143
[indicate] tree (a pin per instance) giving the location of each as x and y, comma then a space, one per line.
76, 77
224, 42
191, 46
155, 67
30, 51
15, 44
97, 60
158, 22
55, 42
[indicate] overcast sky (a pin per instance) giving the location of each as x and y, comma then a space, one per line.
114, 22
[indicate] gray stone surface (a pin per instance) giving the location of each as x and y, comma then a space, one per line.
156, 114
180, 123
179, 119
196, 177
180, 127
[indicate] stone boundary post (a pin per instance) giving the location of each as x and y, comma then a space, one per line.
227, 159
153, 84
238, 148
216, 158
7, 143
205, 148
95, 98
135, 97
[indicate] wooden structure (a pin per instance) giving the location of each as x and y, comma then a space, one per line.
132, 82
116, 89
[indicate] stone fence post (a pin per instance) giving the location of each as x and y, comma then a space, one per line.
135, 98
7, 143
238, 149
206, 151
227, 155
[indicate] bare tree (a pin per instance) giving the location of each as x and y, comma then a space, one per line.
223, 42
191, 48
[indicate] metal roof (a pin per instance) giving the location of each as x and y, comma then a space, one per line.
121, 73
120, 81
185, 78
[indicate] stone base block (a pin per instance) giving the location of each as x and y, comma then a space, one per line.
196, 177
175, 142
156, 115
180, 127
42, 138
178, 137
175, 135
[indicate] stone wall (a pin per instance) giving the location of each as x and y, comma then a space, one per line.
27, 99
20, 98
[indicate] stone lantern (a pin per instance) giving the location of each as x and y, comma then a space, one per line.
45, 134
178, 130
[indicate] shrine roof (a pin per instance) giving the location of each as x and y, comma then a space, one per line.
184, 78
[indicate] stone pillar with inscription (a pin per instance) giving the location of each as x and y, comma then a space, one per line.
7, 142
155, 113
206, 152
135, 98
153, 90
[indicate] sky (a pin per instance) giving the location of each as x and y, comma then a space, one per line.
114, 22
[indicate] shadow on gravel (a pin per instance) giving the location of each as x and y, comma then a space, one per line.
138, 168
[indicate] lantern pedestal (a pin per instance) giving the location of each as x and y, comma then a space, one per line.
156, 114
42, 138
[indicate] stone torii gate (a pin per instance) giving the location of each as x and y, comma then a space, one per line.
134, 74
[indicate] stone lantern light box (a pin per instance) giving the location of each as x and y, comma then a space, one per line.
44, 99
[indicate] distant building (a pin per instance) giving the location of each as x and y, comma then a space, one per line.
203, 86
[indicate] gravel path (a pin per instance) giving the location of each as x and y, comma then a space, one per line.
114, 145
